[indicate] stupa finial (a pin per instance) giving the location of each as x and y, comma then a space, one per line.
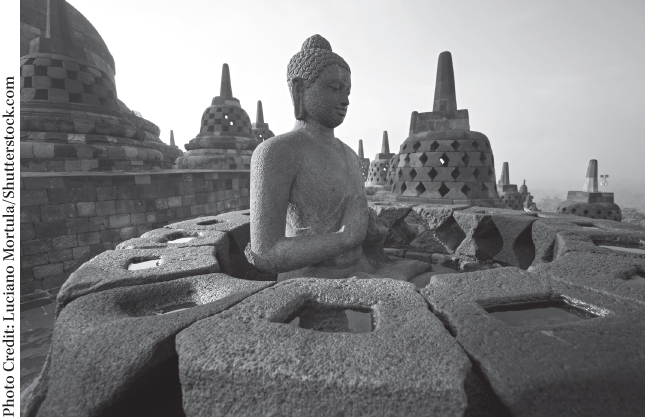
360, 149
225, 90
445, 98
172, 138
591, 182
259, 117
506, 177
413, 122
58, 21
385, 146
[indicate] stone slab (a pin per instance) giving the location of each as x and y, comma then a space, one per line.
113, 352
409, 364
110, 269
585, 368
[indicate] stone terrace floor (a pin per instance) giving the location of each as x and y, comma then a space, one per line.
36, 328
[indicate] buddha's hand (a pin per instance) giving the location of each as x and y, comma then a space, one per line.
355, 221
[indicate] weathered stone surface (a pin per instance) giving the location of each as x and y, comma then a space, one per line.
392, 213
409, 364
483, 240
110, 269
591, 240
113, 352
611, 273
159, 238
585, 368
518, 248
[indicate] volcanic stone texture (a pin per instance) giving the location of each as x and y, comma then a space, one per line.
246, 361
586, 368
161, 238
66, 219
446, 167
110, 269
113, 353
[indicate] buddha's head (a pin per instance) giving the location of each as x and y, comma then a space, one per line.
320, 83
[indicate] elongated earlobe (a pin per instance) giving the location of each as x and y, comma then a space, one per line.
297, 96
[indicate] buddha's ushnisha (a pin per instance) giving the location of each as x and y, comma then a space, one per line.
309, 212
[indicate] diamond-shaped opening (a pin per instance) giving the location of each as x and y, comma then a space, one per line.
434, 146
406, 161
413, 173
542, 312
599, 212
465, 189
476, 173
466, 159
403, 188
455, 145
491, 174
573, 211
482, 157
443, 190
475, 145
416, 146
399, 173
420, 189
423, 159
433, 173
455, 173
586, 212
484, 188
444, 160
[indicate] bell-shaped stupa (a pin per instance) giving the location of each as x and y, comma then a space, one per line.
377, 172
590, 202
225, 139
443, 161
71, 118
260, 129
509, 193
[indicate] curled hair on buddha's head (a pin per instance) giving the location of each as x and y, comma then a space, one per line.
314, 56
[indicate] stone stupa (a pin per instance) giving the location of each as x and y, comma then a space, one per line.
71, 118
509, 193
260, 129
590, 202
364, 162
225, 139
377, 173
443, 161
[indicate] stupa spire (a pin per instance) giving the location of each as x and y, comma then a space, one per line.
58, 21
591, 182
445, 98
172, 138
226, 91
506, 176
360, 149
259, 117
385, 146
413, 121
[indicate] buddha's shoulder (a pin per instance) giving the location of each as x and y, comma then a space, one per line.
289, 142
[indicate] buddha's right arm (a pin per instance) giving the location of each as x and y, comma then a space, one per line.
273, 169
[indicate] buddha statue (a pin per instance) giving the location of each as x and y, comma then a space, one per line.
309, 212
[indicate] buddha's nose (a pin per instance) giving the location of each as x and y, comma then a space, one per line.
345, 100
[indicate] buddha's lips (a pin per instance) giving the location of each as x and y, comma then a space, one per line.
341, 111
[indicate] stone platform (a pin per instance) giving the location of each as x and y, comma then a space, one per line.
199, 341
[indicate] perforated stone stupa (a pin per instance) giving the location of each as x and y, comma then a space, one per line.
511, 196
443, 161
377, 173
226, 139
71, 118
590, 202
260, 129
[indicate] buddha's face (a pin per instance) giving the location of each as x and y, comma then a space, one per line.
326, 100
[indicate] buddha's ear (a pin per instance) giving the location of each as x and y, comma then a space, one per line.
298, 97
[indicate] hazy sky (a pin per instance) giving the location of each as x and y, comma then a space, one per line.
551, 83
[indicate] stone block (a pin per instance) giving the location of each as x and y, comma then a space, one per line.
49, 270
33, 183
81, 252
130, 232
137, 218
540, 367
75, 226
86, 209
483, 240
55, 212
36, 246
124, 206
110, 269
50, 229
82, 194
237, 225
518, 248
30, 198
34, 260
29, 214
61, 255
57, 94
57, 195
64, 242
27, 231
427, 380
57, 72
41, 82
141, 378
106, 193
110, 235
160, 238
104, 208
54, 282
